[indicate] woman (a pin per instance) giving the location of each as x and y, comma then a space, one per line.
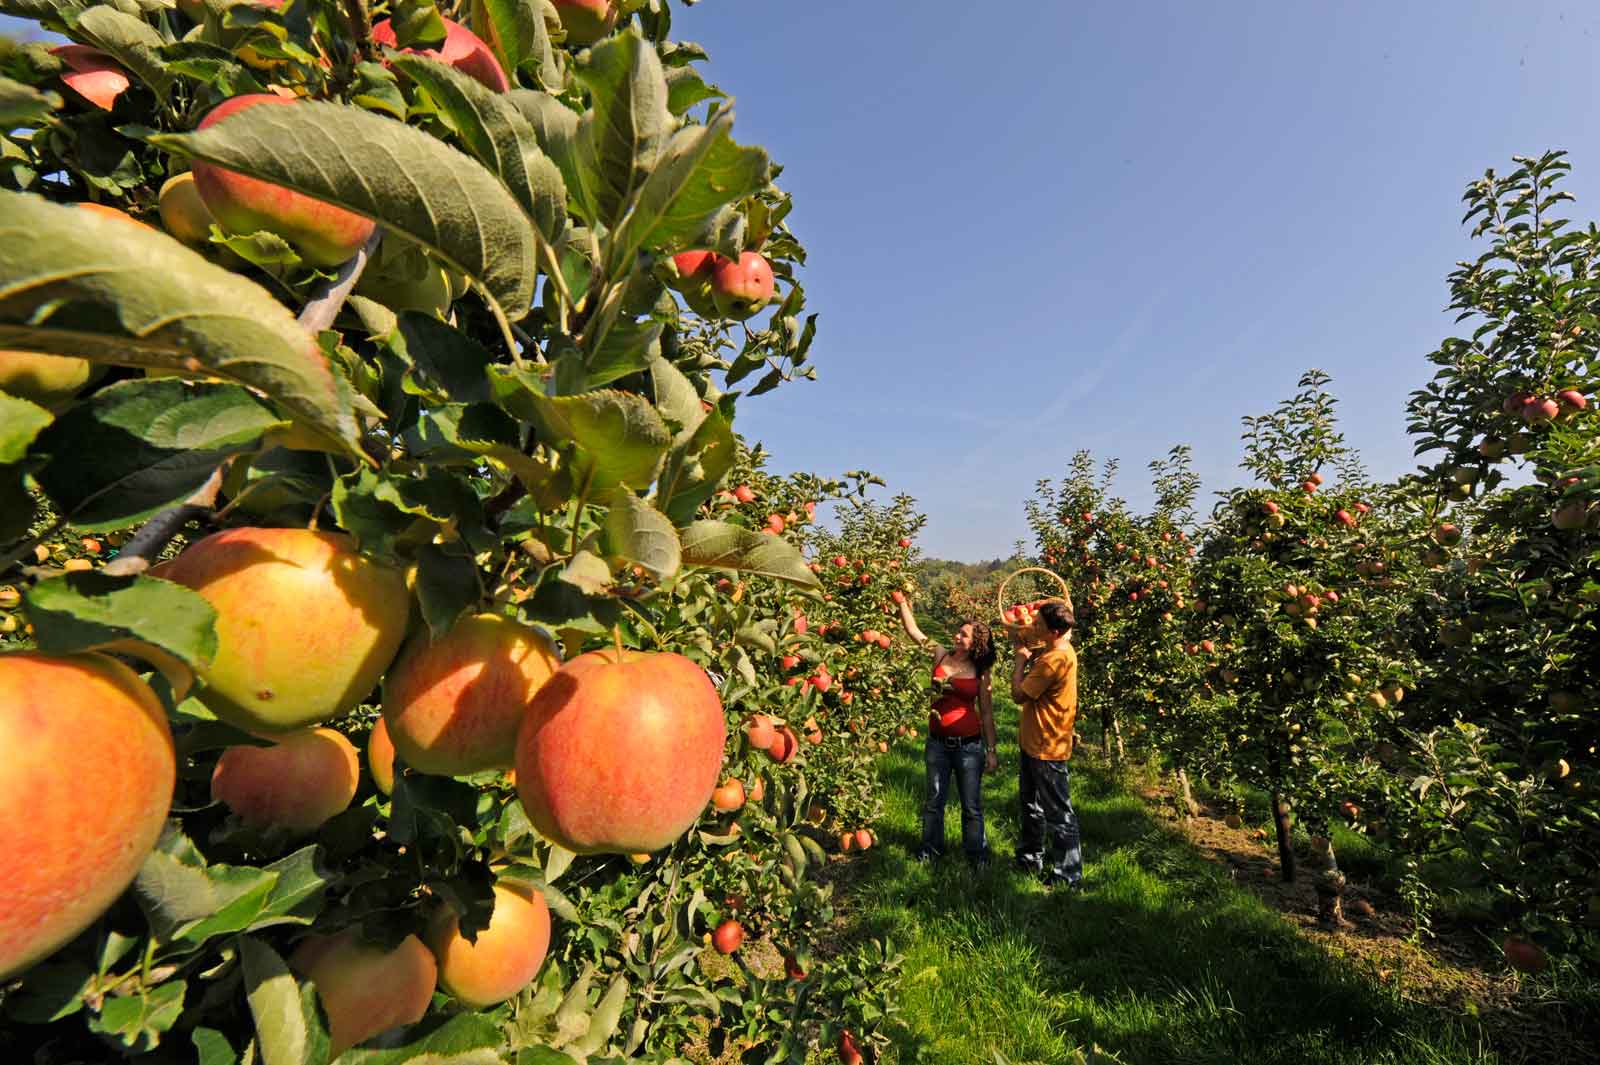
961, 738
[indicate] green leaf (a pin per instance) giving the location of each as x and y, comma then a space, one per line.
510, 28
23, 105
628, 347
447, 356
132, 42
212, 1048
588, 573
639, 533
701, 171
17, 508
288, 1028
621, 438
447, 587
629, 125
145, 616
75, 282
697, 466
20, 423
138, 446
718, 545
51, 990
413, 183
555, 125
496, 134
465, 1039
685, 88
603, 1022
179, 892
137, 1020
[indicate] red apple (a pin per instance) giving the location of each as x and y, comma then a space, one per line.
1570, 516
268, 676
364, 989
324, 235
744, 494
761, 731
849, 1053
462, 49
785, 745
1540, 411
728, 937
728, 796
1572, 400
620, 751
505, 957
905, 542
297, 784
87, 778
742, 288
1524, 956
95, 76
1345, 518
586, 21
453, 705
1447, 535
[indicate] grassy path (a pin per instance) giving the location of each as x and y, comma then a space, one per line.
1163, 962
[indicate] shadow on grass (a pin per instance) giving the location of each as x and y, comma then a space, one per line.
1164, 960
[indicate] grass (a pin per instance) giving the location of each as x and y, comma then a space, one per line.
1163, 961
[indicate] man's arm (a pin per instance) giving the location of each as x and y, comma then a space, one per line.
1019, 666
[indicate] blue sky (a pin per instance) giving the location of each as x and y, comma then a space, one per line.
1122, 226
1036, 228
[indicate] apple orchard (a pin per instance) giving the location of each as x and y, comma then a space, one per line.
405, 659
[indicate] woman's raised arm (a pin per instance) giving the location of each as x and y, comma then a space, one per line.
909, 622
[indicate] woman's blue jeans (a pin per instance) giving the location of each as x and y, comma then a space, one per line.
961, 759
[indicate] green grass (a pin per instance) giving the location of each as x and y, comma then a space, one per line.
1163, 962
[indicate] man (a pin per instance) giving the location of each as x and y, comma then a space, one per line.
1044, 682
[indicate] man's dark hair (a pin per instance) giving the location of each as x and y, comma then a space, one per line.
1056, 615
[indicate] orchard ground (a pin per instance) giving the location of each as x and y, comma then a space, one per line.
1181, 951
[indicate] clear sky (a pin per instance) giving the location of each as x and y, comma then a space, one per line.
1119, 226
1040, 227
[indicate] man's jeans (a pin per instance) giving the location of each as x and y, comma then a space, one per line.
962, 759
1049, 826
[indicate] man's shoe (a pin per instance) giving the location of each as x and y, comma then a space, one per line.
1023, 865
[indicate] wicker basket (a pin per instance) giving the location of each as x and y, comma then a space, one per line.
1011, 629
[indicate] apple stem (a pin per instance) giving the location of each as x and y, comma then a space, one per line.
616, 635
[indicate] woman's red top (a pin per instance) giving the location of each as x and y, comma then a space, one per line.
955, 714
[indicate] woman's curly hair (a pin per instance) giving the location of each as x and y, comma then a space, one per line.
983, 653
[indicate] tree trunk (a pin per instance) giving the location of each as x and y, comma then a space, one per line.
1280, 820
1190, 807
1108, 728
1330, 888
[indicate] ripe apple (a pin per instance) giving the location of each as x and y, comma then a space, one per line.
1316, 479
269, 677
364, 989
1350, 810
461, 49
1570, 516
1492, 448
87, 775
898, 596
1572, 401
298, 783
775, 522
48, 380
1516, 401
784, 746
380, 757
94, 75
744, 494
728, 937
1447, 535
454, 704
506, 956
620, 751
1269, 506
586, 21
864, 839
1309, 487
1524, 956
788, 662
324, 235
757, 791
905, 541
183, 212
849, 1053
1345, 518
1541, 411
728, 796
1233, 821
742, 288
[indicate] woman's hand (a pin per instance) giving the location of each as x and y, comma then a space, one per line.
991, 761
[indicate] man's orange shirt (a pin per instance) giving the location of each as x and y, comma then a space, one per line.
1051, 707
